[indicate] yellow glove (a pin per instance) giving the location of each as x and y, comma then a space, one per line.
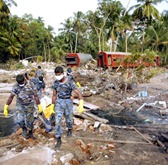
80, 107
40, 108
78, 84
49, 111
6, 110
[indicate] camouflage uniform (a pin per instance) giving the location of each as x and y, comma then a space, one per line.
39, 86
39, 73
71, 77
63, 104
25, 104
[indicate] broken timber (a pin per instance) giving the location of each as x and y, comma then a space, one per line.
142, 135
112, 140
86, 105
151, 128
86, 114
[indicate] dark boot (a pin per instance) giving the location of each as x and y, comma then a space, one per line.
25, 133
69, 133
58, 145
30, 134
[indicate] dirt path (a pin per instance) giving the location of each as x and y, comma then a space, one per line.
157, 84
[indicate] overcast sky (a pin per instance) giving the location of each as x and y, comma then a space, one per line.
54, 12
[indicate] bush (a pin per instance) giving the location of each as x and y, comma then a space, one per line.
14, 65
39, 59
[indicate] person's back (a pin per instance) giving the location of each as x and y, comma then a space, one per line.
40, 86
41, 83
69, 74
39, 72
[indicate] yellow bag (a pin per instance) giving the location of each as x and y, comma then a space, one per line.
48, 111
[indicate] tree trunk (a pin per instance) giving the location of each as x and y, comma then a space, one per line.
49, 53
71, 48
115, 46
126, 42
45, 58
99, 37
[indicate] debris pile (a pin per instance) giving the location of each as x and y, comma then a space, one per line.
94, 140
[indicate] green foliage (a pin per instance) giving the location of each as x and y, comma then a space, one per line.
40, 58
152, 72
148, 57
14, 65
132, 59
89, 32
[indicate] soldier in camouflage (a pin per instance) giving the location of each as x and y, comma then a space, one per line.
40, 86
61, 99
39, 72
38, 82
69, 73
26, 94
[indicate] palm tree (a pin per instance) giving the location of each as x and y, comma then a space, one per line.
58, 49
11, 37
114, 23
66, 32
79, 27
96, 21
157, 35
145, 12
49, 38
4, 9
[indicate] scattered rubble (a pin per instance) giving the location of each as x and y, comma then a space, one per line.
95, 140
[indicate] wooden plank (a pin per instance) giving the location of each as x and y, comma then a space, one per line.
87, 105
89, 116
112, 140
96, 118
142, 135
75, 110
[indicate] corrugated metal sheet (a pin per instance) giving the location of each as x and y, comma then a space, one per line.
84, 58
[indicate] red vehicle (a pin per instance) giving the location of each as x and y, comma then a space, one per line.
77, 59
116, 59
